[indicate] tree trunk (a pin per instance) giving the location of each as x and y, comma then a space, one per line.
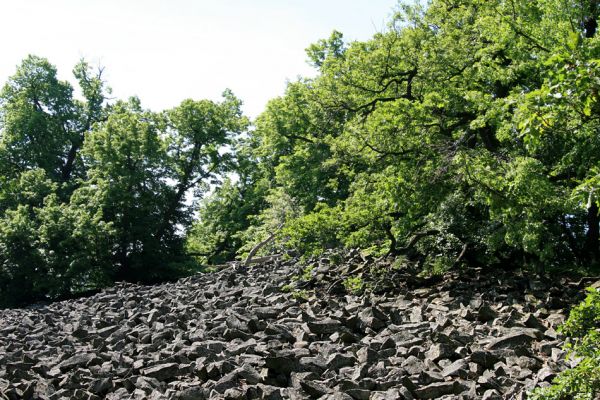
67, 168
590, 23
593, 233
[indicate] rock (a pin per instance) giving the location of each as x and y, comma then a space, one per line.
366, 355
413, 366
233, 334
267, 392
101, 386
436, 390
234, 394
546, 374
313, 389
228, 381
457, 368
372, 318
439, 351
337, 361
532, 321
486, 313
359, 394
484, 358
324, 327
162, 372
282, 364
511, 341
78, 360
491, 394
192, 393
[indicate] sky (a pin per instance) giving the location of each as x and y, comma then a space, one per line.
165, 51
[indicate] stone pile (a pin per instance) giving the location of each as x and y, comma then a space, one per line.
235, 334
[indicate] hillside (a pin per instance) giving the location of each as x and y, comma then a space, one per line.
235, 334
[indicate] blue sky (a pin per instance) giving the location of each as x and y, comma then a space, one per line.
167, 50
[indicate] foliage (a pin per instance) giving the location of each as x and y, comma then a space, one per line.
582, 329
354, 284
92, 192
466, 132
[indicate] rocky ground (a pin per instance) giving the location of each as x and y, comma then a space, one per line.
235, 334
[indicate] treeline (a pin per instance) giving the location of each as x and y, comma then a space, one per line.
92, 192
467, 132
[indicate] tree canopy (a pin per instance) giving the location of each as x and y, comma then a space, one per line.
92, 192
466, 132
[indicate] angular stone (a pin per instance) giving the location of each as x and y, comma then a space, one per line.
314, 389
101, 386
413, 366
193, 393
162, 372
457, 368
324, 327
511, 341
546, 374
435, 390
282, 364
439, 351
372, 318
337, 361
359, 394
491, 394
366, 355
228, 381
78, 360
248, 374
531, 321
484, 358
486, 313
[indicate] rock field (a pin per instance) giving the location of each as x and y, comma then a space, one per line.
234, 334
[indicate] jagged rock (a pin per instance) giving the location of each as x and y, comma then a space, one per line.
78, 360
101, 386
233, 334
457, 368
439, 351
162, 372
486, 313
512, 340
491, 394
413, 366
366, 355
228, 381
546, 374
192, 393
437, 390
284, 364
337, 361
324, 327
484, 358
314, 389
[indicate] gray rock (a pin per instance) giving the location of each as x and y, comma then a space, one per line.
491, 394
511, 341
324, 327
436, 390
162, 372
78, 360
337, 361
439, 351
101, 386
458, 368
314, 389
413, 366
